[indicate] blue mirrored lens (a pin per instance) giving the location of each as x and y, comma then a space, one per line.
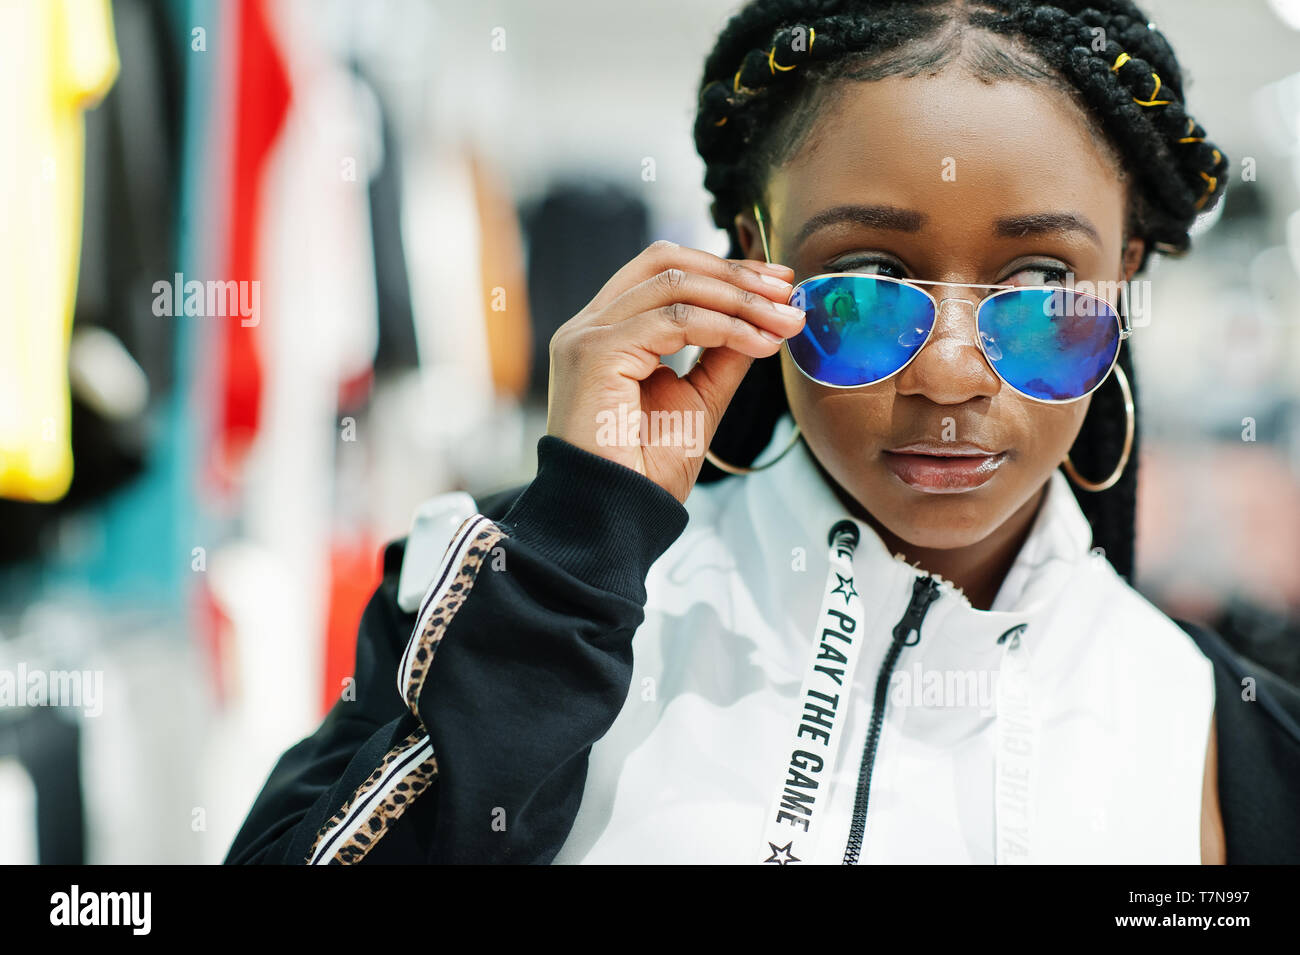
859, 329
1053, 344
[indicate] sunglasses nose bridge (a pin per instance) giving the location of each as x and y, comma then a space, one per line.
954, 298
941, 301
971, 333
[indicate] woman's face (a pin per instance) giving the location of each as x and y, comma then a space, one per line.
952, 179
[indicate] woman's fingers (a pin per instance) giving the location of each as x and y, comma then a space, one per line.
663, 255
672, 327
673, 287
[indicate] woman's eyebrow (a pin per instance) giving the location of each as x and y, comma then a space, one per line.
1045, 223
909, 220
876, 217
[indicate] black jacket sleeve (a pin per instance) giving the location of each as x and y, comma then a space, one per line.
468, 737
1257, 715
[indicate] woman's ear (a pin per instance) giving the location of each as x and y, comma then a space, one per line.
1133, 250
747, 230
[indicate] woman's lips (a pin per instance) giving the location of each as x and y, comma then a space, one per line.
944, 474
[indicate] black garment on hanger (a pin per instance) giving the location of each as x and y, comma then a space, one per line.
396, 349
578, 235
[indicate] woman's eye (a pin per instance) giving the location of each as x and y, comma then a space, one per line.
870, 265
1041, 274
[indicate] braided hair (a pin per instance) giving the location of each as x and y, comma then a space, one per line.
777, 61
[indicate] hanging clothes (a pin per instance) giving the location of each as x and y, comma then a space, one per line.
579, 234
132, 170
396, 350
506, 317
261, 103
311, 253
57, 59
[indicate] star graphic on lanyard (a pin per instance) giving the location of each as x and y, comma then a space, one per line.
845, 588
777, 850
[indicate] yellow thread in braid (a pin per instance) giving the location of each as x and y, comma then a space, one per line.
1124, 58
1189, 138
1211, 182
1153, 101
773, 65
735, 82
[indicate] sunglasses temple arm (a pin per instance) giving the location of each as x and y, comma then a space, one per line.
762, 234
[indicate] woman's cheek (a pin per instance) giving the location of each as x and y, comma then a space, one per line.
847, 429
1049, 431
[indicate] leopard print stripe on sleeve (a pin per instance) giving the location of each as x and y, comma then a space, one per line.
410, 767
407, 770
473, 544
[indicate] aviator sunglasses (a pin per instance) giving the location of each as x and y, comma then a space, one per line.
1049, 343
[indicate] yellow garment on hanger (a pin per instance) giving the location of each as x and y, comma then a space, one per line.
57, 58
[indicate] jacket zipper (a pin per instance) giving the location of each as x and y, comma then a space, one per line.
925, 590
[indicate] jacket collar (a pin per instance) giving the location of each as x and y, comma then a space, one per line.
789, 509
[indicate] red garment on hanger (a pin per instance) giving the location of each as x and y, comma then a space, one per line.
262, 95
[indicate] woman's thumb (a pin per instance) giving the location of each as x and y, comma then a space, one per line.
715, 377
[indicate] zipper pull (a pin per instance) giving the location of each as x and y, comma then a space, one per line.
925, 591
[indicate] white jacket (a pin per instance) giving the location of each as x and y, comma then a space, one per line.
1094, 751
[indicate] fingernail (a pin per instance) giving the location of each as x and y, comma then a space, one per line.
776, 339
773, 280
789, 310
776, 267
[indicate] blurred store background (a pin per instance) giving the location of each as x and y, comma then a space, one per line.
388, 208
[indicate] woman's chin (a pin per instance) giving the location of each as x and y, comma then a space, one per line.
936, 521
940, 538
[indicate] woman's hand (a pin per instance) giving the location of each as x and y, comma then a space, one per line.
610, 395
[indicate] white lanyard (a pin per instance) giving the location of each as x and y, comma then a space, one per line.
1017, 747
796, 816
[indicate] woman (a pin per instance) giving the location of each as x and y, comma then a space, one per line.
890, 632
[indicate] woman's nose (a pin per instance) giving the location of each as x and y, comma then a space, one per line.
951, 368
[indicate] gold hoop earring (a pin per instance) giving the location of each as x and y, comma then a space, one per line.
722, 465
1130, 422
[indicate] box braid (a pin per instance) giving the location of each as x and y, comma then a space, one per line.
776, 61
